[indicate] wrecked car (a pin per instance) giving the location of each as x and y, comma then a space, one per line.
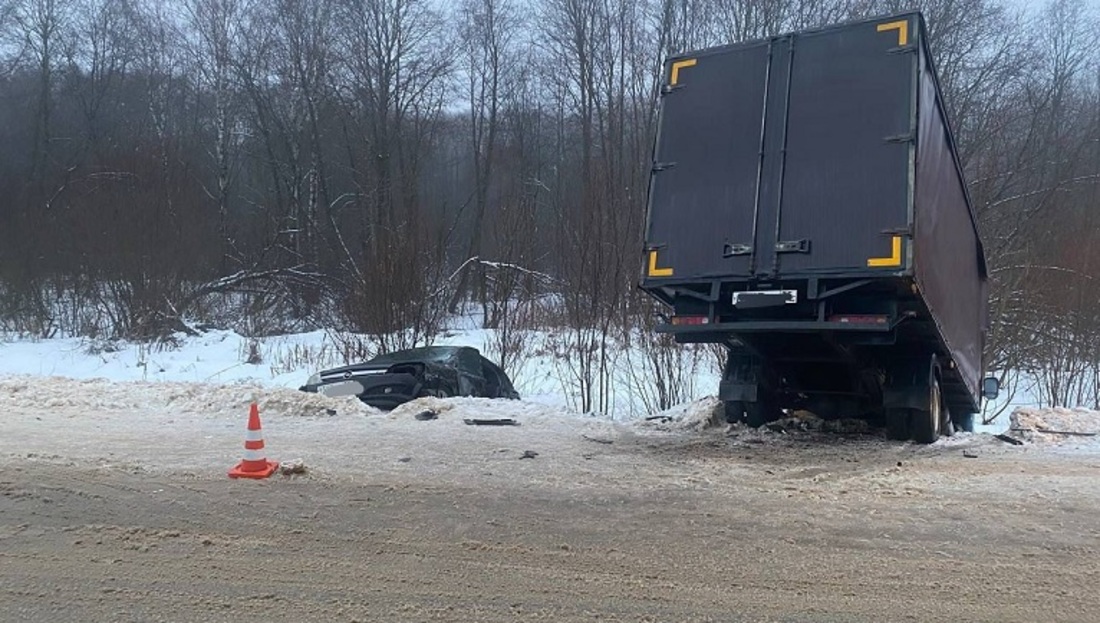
395, 378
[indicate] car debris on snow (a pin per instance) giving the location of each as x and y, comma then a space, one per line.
491, 422
289, 468
598, 440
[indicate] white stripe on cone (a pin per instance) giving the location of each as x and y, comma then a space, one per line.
254, 435
253, 455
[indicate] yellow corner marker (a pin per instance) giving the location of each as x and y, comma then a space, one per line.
902, 27
677, 66
893, 260
653, 270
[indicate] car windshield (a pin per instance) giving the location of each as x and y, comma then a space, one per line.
424, 353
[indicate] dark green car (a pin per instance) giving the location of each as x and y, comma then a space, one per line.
395, 378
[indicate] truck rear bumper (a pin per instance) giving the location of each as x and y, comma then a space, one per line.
721, 331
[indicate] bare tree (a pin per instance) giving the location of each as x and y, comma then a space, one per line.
397, 69
38, 29
214, 38
490, 60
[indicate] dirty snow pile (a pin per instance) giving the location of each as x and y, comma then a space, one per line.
1055, 425
709, 412
480, 408
198, 429
692, 416
101, 395
799, 420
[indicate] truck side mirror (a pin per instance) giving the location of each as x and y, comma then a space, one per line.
991, 388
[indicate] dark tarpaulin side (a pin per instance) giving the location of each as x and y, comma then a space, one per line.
948, 253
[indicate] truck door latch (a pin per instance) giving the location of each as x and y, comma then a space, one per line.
793, 246
731, 250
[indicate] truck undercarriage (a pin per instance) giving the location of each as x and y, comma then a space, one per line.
837, 347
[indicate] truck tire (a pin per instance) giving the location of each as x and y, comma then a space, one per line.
927, 423
897, 424
948, 429
947, 419
757, 414
735, 411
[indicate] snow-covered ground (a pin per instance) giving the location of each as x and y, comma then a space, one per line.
217, 362
222, 356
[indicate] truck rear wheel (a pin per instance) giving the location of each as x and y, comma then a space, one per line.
735, 411
927, 423
754, 414
758, 414
897, 424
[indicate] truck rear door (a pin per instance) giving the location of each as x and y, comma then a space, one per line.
703, 187
850, 132
786, 157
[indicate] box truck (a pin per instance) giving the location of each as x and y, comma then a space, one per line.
807, 208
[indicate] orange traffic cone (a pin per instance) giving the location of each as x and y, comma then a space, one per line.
254, 465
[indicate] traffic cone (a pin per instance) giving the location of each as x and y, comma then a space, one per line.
254, 464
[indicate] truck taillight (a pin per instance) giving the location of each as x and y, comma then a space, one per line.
860, 319
683, 320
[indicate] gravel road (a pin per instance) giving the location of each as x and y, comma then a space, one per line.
402, 520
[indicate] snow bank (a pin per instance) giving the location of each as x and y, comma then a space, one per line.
1054, 425
221, 356
692, 416
101, 395
198, 428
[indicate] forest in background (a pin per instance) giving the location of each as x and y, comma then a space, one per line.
375, 166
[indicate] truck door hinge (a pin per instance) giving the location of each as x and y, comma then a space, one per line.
898, 231
662, 166
669, 88
899, 138
793, 246
731, 250
902, 49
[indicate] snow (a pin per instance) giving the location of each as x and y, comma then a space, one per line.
1078, 427
217, 356
208, 378
1019, 390
222, 356
50, 394
693, 416
199, 428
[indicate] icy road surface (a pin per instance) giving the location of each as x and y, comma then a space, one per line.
114, 506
